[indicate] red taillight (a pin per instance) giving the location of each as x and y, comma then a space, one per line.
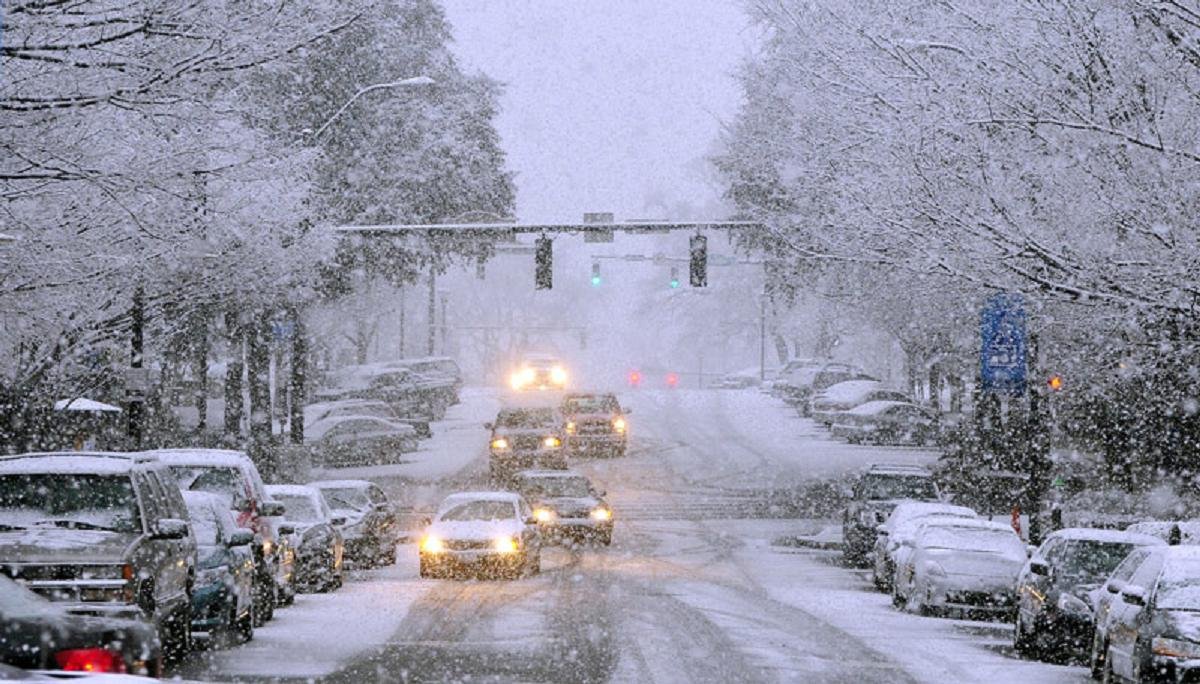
672, 379
635, 378
90, 660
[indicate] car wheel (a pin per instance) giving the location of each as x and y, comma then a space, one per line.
535, 567
179, 627
264, 601
245, 626
606, 538
1021, 641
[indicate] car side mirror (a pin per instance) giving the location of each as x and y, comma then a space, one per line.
240, 538
171, 528
271, 509
1133, 595
287, 530
488, 426
1039, 567
1114, 586
338, 521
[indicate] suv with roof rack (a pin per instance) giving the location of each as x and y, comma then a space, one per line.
873, 496
103, 533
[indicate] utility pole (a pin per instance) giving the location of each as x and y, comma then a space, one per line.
431, 313
445, 330
135, 388
298, 378
402, 302
762, 338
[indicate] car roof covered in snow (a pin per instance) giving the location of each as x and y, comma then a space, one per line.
340, 484
1105, 536
201, 457
912, 509
460, 497
875, 407
850, 389
898, 469
292, 490
1189, 530
84, 462
954, 523
320, 428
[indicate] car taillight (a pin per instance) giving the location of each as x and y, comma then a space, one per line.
89, 660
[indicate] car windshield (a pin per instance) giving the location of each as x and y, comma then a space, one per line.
591, 404
1086, 560
204, 524
527, 418
556, 486
1179, 585
479, 510
968, 540
299, 508
227, 482
898, 487
71, 500
346, 498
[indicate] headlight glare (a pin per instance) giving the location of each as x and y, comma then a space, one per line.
601, 514
552, 442
543, 514
505, 544
499, 444
571, 428
619, 424
558, 375
432, 544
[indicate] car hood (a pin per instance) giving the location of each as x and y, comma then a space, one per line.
53, 545
475, 529
593, 416
560, 504
539, 432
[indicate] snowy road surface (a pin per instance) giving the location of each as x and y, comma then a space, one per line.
692, 589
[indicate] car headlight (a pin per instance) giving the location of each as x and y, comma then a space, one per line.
552, 442
558, 375
432, 544
619, 424
601, 514
1174, 648
1073, 605
505, 544
571, 427
95, 572
499, 444
543, 515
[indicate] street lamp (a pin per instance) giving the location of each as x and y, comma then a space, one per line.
414, 81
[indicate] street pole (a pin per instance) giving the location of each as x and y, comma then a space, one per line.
299, 376
137, 349
762, 339
445, 330
402, 298
431, 312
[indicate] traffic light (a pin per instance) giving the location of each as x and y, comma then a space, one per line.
543, 278
672, 380
595, 274
635, 378
674, 277
1055, 382
698, 271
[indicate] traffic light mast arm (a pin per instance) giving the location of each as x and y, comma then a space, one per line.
501, 229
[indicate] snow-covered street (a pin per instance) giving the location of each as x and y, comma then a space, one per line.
692, 589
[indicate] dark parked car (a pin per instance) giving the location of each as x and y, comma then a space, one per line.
102, 534
369, 528
1152, 627
37, 634
595, 424
525, 438
223, 594
566, 506
1054, 589
886, 422
233, 476
359, 440
873, 497
320, 548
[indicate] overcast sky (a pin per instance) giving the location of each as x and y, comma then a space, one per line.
611, 105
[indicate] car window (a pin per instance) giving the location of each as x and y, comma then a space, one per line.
1178, 585
1147, 572
156, 504
479, 510
897, 487
205, 524
1091, 561
527, 418
1125, 569
226, 482
300, 508
172, 497
556, 486
591, 404
82, 500
346, 498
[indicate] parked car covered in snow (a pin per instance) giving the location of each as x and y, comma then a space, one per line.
1154, 626
316, 541
315, 413
566, 506
1103, 599
38, 634
235, 478
1054, 591
799, 386
826, 405
886, 422
1172, 532
958, 564
368, 520
899, 528
481, 534
103, 534
875, 493
223, 590
359, 440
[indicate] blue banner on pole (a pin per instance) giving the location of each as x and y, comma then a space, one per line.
1003, 352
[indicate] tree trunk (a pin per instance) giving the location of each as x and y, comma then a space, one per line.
233, 376
258, 366
296, 387
200, 370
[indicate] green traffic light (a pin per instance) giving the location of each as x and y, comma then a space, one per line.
674, 282
596, 281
